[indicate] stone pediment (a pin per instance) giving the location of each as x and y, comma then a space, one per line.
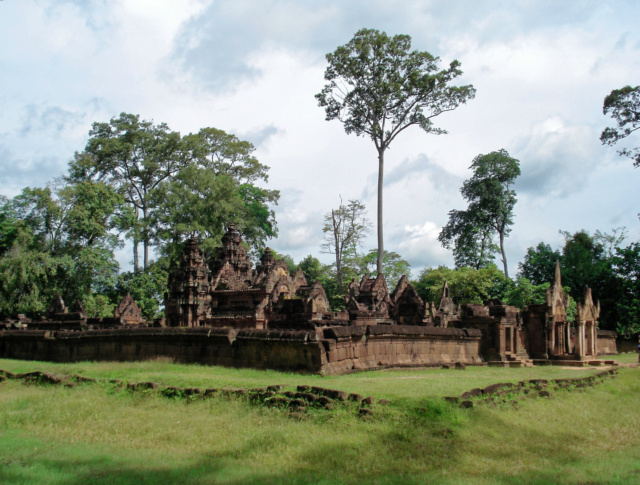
557, 300
400, 287
299, 280
586, 310
318, 298
128, 310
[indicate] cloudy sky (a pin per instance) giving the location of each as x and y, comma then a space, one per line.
252, 68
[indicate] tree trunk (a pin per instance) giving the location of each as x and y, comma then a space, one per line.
145, 238
338, 247
504, 256
136, 258
380, 238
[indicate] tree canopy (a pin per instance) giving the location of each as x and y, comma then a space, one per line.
138, 180
539, 264
378, 87
179, 186
623, 105
393, 269
598, 261
490, 212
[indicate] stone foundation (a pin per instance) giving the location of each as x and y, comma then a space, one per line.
336, 351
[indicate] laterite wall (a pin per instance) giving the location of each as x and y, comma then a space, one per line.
337, 350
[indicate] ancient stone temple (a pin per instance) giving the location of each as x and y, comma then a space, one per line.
228, 292
504, 340
188, 296
226, 312
368, 302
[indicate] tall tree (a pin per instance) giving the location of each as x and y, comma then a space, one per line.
624, 107
63, 242
539, 264
490, 211
344, 228
135, 156
470, 238
377, 87
216, 187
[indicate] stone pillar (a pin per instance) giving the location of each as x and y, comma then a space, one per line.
580, 343
552, 337
568, 337
593, 336
561, 337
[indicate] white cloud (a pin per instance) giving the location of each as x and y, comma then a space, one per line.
252, 67
419, 244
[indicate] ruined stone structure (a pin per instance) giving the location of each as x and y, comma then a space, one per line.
228, 292
505, 339
408, 308
607, 343
60, 318
225, 312
548, 329
128, 311
586, 346
447, 310
550, 335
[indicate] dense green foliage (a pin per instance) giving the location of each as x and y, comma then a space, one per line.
539, 264
471, 232
378, 87
139, 181
393, 266
599, 262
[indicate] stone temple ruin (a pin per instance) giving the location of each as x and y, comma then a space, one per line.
225, 312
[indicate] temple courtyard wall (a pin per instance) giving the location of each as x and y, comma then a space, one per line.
607, 342
333, 350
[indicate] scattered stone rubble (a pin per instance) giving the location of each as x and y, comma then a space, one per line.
299, 401
507, 392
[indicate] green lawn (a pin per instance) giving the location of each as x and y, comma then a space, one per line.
98, 433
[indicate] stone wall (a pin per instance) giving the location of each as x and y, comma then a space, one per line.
336, 351
358, 348
607, 342
628, 344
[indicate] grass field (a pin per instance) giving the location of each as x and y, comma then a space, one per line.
99, 433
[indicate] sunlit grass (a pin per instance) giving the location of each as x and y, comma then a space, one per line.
100, 433
395, 383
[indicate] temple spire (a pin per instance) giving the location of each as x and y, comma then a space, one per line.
557, 279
